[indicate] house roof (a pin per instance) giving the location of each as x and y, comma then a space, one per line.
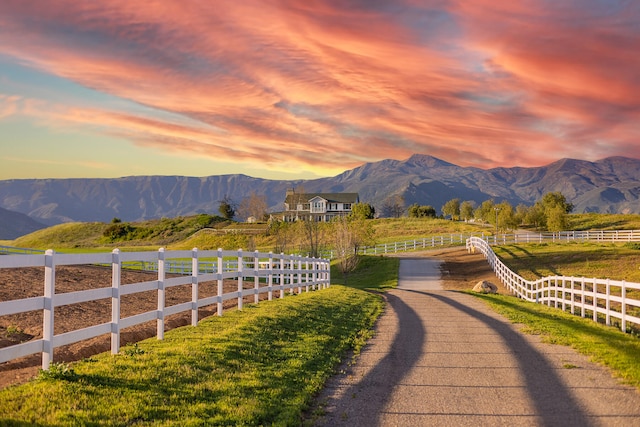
296, 198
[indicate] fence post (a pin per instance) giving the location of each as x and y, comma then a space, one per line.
291, 274
49, 293
582, 313
623, 298
256, 277
239, 276
116, 268
270, 277
299, 274
595, 300
161, 294
608, 303
282, 275
306, 274
573, 298
195, 270
220, 280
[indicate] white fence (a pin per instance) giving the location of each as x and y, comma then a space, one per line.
460, 239
593, 297
269, 272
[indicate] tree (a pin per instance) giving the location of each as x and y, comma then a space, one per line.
227, 208
311, 233
344, 242
556, 199
349, 234
253, 206
393, 207
522, 212
466, 210
362, 210
417, 211
452, 209
485, 212
535, 216
283, 233
556, 218
507, 219
551, 211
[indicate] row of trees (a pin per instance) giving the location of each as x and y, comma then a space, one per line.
550, 212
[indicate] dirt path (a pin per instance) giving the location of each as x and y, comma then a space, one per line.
443, 358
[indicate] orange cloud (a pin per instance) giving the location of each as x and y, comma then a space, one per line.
319, 84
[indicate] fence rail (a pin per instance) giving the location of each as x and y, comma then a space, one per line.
267, 272
591, 297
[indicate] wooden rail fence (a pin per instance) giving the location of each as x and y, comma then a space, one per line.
269, 272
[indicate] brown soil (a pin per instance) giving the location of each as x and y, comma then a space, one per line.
460, 271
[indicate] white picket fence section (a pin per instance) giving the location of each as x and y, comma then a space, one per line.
269, 272
589, 296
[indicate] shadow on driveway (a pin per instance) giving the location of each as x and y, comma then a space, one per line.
364, 403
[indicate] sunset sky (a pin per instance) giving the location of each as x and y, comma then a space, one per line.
292, 89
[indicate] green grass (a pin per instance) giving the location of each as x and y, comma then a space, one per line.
399, 229
372, 273
260, 366
616, 261
603, 344
597, 221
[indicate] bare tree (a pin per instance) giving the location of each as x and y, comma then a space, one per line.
345, 246
312, 236
253, 206
393, 206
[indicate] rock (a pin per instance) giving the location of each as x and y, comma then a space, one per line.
485, 287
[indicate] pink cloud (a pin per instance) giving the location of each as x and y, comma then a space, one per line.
482, 83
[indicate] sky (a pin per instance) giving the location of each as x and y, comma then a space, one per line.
299, 89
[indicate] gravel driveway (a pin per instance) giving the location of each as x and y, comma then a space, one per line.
443, 358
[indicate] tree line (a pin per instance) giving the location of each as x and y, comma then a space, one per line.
548, 213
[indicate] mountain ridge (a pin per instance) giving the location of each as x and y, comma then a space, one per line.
610, 185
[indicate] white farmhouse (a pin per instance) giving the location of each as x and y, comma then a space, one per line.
317, 206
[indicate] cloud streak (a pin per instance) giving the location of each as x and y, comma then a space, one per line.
323, 87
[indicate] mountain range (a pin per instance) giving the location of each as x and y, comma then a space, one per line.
610, 185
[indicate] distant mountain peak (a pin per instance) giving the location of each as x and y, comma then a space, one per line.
427, 161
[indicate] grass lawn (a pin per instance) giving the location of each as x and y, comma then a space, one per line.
258, 366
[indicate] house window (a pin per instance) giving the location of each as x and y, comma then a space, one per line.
333, 206
347, 206
317, 207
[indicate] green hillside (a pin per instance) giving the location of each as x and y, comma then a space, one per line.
212, 232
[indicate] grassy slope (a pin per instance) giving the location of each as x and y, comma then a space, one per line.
261, 366
185, 232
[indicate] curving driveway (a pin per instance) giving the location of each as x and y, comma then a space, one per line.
443, 358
